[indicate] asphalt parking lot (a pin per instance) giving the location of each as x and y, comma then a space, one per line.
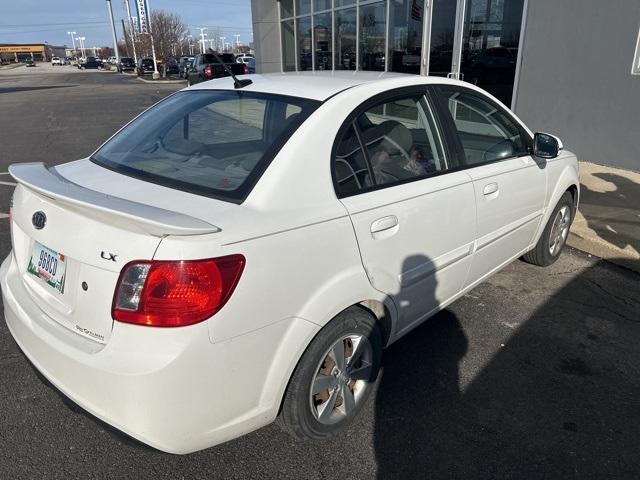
534, 374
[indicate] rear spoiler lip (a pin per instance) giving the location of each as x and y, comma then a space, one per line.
156, 221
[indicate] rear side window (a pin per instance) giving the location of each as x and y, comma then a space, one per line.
210, 142
486, 132
401, 143
349, 165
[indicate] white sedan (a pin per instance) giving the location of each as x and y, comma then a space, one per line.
244, 251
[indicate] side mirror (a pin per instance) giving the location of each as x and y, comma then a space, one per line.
546, 145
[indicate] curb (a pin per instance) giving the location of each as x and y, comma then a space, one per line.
161, 82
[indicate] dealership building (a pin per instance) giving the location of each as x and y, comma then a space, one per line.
571, 68
39, 52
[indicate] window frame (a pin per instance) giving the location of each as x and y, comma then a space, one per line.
452, 131
428, 105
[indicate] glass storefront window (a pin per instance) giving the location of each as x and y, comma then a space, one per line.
344, 3
443, 25
373, 34
490, 45
320, 5
303, 7
345, 39
406, 18
288, 47
286, 8
322, 40
304, 43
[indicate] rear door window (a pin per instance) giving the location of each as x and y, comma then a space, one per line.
401, 143
210, 142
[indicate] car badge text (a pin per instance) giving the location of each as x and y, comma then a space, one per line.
108, 256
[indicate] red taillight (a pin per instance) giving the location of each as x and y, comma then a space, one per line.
246, 69
208, 72
175, 293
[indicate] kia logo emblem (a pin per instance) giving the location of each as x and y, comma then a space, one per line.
39, 220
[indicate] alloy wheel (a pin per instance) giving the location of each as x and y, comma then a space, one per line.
559, 230
341, 379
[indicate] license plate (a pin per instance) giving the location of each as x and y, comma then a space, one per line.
48, 265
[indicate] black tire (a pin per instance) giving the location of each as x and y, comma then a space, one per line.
541, 254
296, 416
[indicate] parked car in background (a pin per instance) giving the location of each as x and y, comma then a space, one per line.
56, 61
206, 66
29, 62
244, 58
112, 61
145, 66
252, 65
184, 64
183, 310
90, 63
126, 64
171, 67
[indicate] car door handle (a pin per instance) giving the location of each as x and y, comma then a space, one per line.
490, 188
384, 223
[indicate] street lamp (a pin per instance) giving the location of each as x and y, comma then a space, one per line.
81, 40
73, 40
202, 35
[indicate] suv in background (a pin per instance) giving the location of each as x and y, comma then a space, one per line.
126, 64
145, 67
207, 66
184, 64
56, 61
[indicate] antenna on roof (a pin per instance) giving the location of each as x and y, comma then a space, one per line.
237, 83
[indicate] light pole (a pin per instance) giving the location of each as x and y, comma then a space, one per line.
202, 35
156, 74
81, 40
113, 32
133, 31
73, 40
222, 39
190, 37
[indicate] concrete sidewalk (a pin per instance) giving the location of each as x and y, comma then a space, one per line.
607, 224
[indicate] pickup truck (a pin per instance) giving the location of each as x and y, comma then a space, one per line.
206, 66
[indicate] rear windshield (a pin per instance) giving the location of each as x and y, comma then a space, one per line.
215, 143
211, 58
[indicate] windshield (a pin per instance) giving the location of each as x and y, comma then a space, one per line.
215, 143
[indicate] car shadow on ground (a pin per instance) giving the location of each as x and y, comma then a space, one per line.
613, 215
558, 400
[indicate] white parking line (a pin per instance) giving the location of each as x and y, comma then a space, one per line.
12, 184
4, 215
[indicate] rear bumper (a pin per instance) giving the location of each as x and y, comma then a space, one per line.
170, 388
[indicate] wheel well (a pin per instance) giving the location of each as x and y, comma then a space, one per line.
382, 314
573, 190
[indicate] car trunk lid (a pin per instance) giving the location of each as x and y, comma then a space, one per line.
71, 242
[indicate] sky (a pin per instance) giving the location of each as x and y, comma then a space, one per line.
39, 21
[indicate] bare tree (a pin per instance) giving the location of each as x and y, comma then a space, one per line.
169, 33
169, 36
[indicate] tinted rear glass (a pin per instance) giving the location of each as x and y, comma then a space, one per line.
210, 142
226, 58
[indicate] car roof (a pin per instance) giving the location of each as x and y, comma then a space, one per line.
315, 85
